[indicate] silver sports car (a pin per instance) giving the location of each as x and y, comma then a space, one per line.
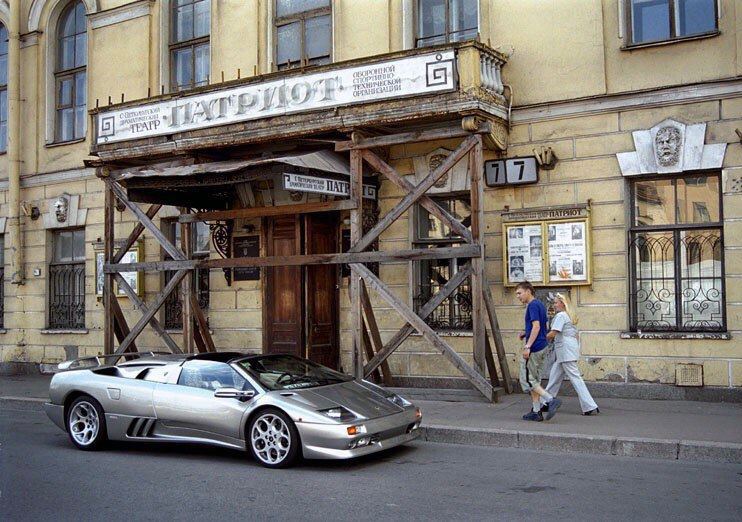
279, 407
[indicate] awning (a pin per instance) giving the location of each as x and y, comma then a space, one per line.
323, 160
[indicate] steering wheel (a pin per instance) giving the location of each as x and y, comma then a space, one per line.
284, 374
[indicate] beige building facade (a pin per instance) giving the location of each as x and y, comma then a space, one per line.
632, 116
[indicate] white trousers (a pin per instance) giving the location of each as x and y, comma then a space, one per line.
569, 369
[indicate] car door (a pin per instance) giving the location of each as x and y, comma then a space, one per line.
189, 408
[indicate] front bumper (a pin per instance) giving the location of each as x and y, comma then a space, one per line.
56, 413
331, 441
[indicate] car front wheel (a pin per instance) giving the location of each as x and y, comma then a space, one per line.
86, 423
274, 439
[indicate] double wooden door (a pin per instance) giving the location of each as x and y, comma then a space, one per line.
300, 312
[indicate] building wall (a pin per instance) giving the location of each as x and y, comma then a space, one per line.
558, 52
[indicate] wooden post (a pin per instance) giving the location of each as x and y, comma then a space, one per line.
356, 232
497, 336
375, 337
109, 210
479, 330
186, 287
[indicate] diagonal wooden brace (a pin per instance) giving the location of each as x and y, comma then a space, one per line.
430, 205
374, 337
414, 195
142, 307
138, 229
149, 314
176, 253
202, 324
426, 331
407, 330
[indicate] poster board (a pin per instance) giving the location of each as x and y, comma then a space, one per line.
134, 278
547, 246
246, 246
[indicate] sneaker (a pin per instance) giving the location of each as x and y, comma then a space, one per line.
596, 411
551, 408
533, 416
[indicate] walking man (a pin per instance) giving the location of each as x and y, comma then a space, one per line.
532, 362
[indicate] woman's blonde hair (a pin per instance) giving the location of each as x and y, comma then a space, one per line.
571, 312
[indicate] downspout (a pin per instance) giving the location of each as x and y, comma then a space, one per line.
14, 145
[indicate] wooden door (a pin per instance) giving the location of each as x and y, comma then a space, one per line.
282, 295
321, 290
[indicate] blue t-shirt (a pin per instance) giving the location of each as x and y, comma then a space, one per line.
536, 311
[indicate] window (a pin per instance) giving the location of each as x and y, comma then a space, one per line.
190, 25
67, 280
70, 78
677, 268
173, 305
211, 375
660, 20
3, 88
303, 32
443, 21
454, 313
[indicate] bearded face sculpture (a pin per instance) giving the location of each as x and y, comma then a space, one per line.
61, 208
667, 146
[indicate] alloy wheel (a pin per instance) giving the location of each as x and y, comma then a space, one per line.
270, 438
84, 423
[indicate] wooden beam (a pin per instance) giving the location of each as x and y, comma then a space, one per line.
411, 137
369, 352
426, 331
149, 314
120, 327
174, 198
497, 337
186, 287
356, 233
490, 360
375, 336
479, 330
203, 326
429, 205
135, 233
109, 208
143, 308
147, 222
414, 195
414, 254
424, 312
280, 210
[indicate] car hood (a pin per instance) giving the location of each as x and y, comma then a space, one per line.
351, 395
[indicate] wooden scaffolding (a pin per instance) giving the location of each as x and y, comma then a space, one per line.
369, 354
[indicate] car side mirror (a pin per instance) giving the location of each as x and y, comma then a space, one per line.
234, 393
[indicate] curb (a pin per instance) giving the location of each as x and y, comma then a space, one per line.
703, 451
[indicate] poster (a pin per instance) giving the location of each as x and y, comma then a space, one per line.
132, 256
567, 246
246, 246
525, 253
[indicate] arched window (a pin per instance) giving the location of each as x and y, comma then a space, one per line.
190, 26
3, 88
70, 74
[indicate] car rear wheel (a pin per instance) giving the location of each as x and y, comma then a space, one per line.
86, 423
274, 439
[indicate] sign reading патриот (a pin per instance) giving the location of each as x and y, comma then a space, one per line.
415, 75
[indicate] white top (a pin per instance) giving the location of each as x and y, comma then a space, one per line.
566, 342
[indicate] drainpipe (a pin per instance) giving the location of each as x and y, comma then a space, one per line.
14, 145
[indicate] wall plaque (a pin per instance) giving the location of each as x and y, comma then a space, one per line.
246, 246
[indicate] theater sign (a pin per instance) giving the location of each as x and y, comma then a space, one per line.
416, 75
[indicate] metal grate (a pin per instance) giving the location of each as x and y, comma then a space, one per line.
67, 295
689, 374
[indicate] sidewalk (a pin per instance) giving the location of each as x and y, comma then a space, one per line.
684, 430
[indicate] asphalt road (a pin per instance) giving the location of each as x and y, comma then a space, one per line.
42, 477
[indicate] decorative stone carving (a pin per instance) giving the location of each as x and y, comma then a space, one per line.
64, 211
454, 180
671, 147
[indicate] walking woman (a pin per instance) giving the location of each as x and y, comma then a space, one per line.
566, 339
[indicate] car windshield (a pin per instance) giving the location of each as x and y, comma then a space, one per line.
286, 372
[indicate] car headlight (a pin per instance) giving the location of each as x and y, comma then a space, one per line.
399, 401
340, 414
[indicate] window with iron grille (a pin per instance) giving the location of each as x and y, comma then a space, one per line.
173, 304
443, 21
3, 88
303, 32
676, 247
67, 280
70, 76
190, 27
660, 20
454, 313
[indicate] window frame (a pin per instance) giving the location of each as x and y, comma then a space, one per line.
55, 234
301, 17
417, 38
193, 43
71, 74
675, 229
629, 25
